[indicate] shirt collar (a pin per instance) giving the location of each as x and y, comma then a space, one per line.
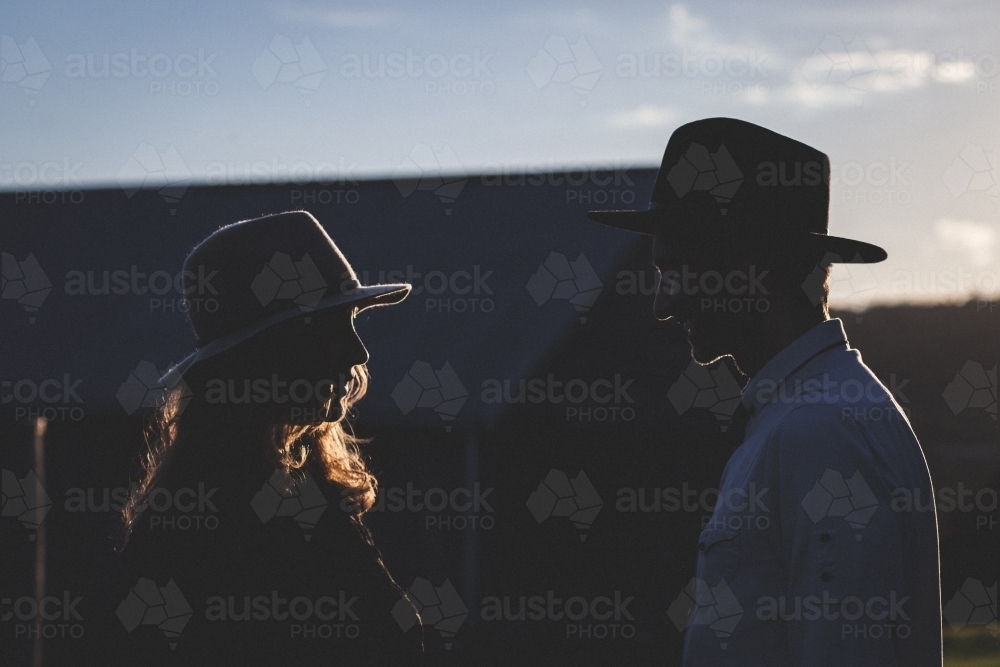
822, 336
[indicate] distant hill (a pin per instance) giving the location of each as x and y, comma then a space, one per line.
924, 348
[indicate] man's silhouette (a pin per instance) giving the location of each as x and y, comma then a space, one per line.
805, 560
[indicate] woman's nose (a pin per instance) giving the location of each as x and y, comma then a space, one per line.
359, 353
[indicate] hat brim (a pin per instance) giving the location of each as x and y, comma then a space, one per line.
363, 297
837, 249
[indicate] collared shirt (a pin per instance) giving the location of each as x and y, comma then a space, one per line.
806, 560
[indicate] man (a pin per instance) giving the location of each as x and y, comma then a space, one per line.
805, 560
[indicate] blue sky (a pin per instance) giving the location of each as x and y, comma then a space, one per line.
903, 96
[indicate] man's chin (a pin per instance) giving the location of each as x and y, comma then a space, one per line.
705, 353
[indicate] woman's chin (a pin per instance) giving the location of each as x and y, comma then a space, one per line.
335, 411
304, 416
334, 415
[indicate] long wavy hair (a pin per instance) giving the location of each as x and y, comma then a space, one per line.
178, 427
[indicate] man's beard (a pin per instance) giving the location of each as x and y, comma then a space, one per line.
705, 349
706, 355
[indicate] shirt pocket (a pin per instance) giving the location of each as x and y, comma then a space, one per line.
718, 555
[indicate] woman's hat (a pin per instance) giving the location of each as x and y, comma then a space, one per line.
264, 271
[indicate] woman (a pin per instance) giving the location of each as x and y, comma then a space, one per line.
236, 549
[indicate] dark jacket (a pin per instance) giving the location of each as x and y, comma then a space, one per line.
262, 589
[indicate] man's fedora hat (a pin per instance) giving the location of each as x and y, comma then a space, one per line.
265, 271
724, 180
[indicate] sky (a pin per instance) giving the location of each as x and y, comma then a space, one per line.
903, 96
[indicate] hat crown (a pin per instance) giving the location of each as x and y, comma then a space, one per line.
724, 170
255, 269
727, 182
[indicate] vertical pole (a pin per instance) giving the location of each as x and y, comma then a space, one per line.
40, 424
470, 552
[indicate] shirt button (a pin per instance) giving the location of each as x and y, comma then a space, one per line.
825, 537
827, 577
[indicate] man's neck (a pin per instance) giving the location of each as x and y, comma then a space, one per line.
763, 343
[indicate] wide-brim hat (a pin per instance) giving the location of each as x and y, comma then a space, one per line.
265, 271
723, 178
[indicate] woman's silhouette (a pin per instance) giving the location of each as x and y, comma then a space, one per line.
236, 549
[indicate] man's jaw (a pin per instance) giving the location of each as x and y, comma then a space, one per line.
704, 350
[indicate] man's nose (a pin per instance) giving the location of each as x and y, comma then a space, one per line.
665, 301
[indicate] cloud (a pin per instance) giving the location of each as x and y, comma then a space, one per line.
977, 241
645, 116
697, 37
842, 70
684, 26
